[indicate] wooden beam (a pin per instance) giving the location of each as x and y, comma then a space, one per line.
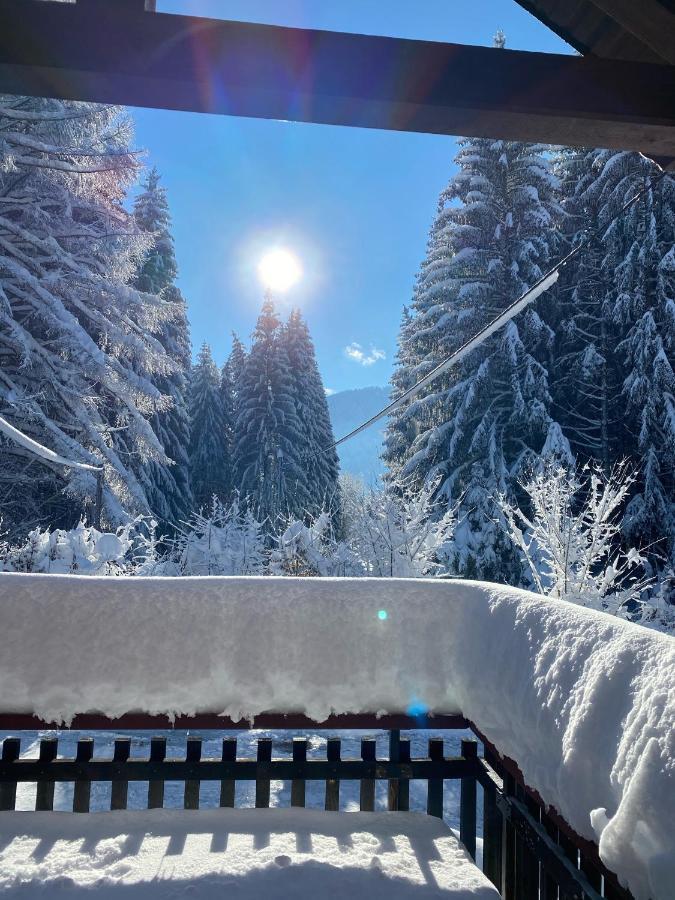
206, 720
647, 20
117, 53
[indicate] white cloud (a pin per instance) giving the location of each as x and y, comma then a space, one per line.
329, 391
358, 354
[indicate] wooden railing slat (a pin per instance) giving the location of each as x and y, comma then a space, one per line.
191, 792
467, 802
394, 756
120, 786
44, 796
404, 780
227, 785
367, 785
156, 785
82, 790
262, 784
493, 826
333, 784
435, 785
11, 751
298, 785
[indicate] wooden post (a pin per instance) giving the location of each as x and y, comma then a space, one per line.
298, 784
11, 750
404, 783
467, 802
82, 790
156, 785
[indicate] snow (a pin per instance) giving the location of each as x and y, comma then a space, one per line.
583, 701
252, 853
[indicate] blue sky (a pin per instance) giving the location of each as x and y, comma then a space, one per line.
354, 205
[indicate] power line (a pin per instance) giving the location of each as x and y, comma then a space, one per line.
545, 282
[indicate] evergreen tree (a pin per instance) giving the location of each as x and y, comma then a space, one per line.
78, 356
268, 459
319, 457
639, 248
210, 462
488, 419
167, 485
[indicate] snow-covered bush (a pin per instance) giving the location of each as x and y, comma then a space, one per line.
81, 551
570, 538
313, 550
397, 531
229, 540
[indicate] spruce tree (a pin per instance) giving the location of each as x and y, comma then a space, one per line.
210, 462
267, 452
167, 485
78, 349
486, 421
319, 457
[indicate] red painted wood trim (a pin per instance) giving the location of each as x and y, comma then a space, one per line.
143, 721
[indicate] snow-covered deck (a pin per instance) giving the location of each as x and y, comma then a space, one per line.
247, 853
585, 703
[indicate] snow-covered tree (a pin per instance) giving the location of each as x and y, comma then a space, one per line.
319, 457
484, 422
570, 538
615, 347
268, 457
210, 463
78, 346
167, 485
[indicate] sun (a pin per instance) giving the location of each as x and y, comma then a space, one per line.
279, 270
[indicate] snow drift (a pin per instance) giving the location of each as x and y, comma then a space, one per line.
584, 702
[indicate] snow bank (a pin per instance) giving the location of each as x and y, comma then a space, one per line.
247, 853
584, 702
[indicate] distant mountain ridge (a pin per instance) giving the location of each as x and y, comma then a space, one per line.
361, 455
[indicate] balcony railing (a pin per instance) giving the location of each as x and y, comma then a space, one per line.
528, 852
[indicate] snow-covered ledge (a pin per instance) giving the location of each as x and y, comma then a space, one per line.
583, 702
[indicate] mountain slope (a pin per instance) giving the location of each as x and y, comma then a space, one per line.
361, 455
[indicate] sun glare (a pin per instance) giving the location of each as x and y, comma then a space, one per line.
279, 270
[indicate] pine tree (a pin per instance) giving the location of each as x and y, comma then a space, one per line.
167, 486
489, 418
77, 349
268, 460
229, 388
210, 462
319, 457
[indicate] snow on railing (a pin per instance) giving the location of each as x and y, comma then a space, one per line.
583, 702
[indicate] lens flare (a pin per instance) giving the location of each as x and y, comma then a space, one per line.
382, 615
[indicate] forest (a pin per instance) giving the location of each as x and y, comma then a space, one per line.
544, 460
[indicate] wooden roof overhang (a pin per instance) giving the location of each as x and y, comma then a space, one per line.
114, 51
